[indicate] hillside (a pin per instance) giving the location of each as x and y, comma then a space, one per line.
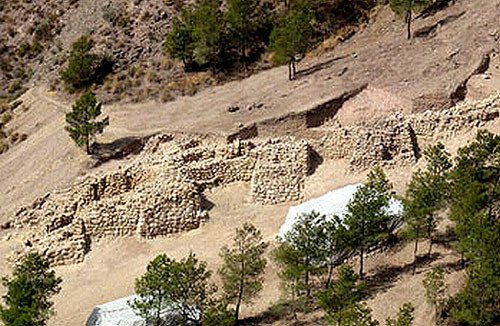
375, 99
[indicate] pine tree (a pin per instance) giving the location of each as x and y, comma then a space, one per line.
301, 254
208, 28
435, 289
84, 67
82, 123
292, 36
367, 219
168, 283
179, 42
336, 245
475, 207
404, 318
243, 268
342, 301
407, 8
426, 195
27, 300
242, 20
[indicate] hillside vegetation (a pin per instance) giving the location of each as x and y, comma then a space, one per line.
136, 40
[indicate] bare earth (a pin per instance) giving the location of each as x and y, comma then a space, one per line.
398, 75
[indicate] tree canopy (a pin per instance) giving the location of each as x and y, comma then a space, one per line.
368, 220
182, 285
82, 123
243, 267
84, 67
27, 300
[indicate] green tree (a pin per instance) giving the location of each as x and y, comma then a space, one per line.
407, 8
292, 36
84, 67
82, 120
27, 300
168, 283
208, 32
404, 318
180, 40
342, 301
475, 207
218, 315
435, 289
336, 245
245, 20
426, 194
243, 268
301, 254
368, 220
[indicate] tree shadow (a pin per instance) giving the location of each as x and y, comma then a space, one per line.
318, 67
316, 160
435, 7
384, 277
284, 312
430, 31
117, 149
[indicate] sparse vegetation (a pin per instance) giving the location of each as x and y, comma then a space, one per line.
435, 289
404, 317
342, 300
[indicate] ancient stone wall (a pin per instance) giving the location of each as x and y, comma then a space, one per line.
161, 191
280, 171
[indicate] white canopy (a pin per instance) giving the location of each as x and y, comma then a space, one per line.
115, 313
333, 203
119, 313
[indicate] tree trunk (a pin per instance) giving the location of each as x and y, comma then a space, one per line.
308, 289
408, 23
415, 250
293, 67
238, 303
290, 74
87, 144
430, 245
330, 274
240, 294
361, 261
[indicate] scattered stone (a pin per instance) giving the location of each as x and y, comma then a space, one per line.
233, 108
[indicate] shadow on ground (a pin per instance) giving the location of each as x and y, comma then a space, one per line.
117, 149
318, 67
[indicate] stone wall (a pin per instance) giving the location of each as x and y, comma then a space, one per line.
161, 191
280, 171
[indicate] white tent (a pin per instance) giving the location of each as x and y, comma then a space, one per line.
119, 313
115, 313
333, 203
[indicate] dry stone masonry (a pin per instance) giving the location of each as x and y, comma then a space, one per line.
161, 191
394, 140
280, 171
